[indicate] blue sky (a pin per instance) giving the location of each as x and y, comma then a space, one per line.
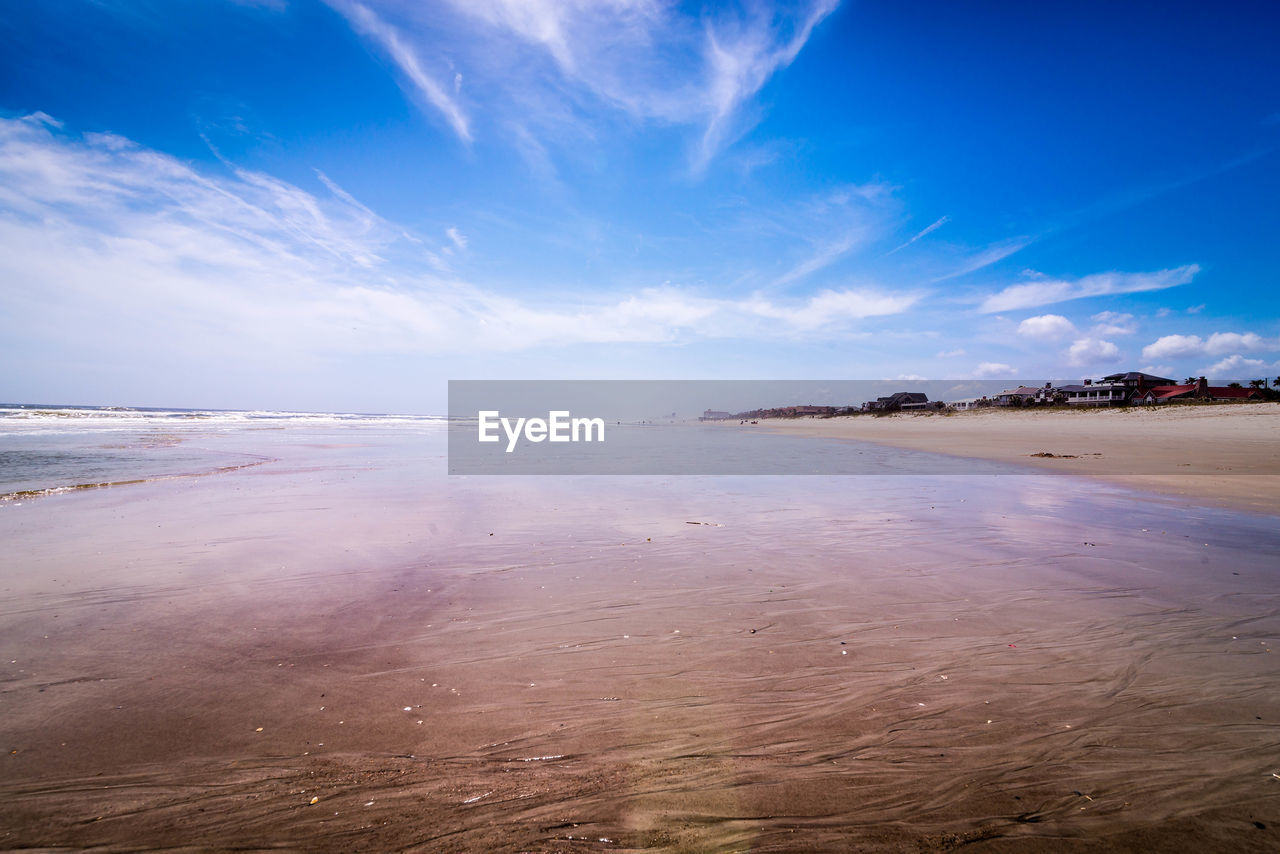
342, 205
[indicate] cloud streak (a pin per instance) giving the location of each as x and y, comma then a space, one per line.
740, 64
992, 254
927, 230
391, 42
543, 68
153, 251
1047, 291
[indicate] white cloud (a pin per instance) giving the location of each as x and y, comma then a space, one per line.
951, 354
1091, 351
392, 42
828, 226
1217, 344
992, 370
1224, 342
829, 308
1237, 367
1046, 291
112, 242
567, 29
741, 59
1174, 347
1047, 327
825, 256
986, 257
928, 229
1113, 323
459, 239
545, 65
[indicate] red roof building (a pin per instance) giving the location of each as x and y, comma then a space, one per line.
1200, 390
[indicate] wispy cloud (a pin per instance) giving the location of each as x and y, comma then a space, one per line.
824, 257
1046, 291
741, 59
149, 248
368, 24
992, 254
815, 233
929, 229
543, 66
832, 308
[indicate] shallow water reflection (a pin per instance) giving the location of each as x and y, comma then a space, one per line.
570, 664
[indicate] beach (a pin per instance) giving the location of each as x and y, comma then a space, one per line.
1227, 455
345, 649
534, 427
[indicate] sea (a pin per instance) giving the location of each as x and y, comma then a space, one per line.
52, 449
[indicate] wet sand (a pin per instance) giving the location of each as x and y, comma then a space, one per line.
1196, 452
560, 664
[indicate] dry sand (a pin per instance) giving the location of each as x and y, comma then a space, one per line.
545, 664
1226, 455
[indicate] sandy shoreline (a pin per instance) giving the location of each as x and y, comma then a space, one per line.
1224, 455
546, 664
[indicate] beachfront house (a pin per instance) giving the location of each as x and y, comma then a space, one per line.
1096, 394
1137, 381
902, 400
1025, 395
1198, 390
1138, 388
1112, 390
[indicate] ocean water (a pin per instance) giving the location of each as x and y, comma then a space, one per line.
52, 449
49, 449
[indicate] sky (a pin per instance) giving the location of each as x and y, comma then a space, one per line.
342, 205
